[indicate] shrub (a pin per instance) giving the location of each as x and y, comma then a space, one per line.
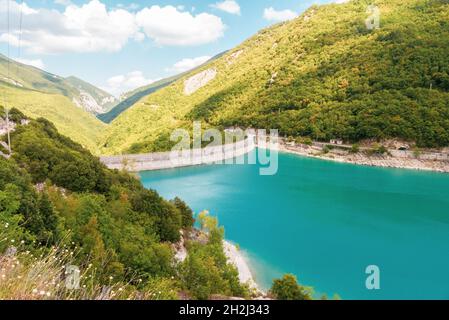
355, 148
288, 288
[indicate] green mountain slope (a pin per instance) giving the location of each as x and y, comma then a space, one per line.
322, 75
135, 96
81, 93
41, 94
91, 98
71, 121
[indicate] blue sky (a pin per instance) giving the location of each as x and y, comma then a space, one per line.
119, 44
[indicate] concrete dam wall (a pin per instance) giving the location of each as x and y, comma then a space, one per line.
176, 159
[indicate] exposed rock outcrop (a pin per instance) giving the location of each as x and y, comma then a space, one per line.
88, 103
198, 81
4, 127
231, 59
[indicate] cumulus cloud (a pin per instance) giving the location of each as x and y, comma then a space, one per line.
131, 6
93, 27
120, 84
170, 26
271, 14
188, 64
88, 28
63, 2
38, 63
229, 6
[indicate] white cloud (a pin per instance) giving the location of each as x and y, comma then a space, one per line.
188, 64
93, 27
271, 14
131, 6
38, 63
63, 2
170, 26
229, 6
120, 84
88, 28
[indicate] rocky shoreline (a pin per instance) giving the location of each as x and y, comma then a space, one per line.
238, 259
233, 255
375, 160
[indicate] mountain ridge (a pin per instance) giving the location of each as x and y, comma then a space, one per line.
83, 94
38, 93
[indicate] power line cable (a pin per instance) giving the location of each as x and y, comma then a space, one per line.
20, 36
9, 78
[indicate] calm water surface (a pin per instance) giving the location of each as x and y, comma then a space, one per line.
326, 222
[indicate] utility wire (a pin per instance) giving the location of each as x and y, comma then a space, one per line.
20, 36
9, 78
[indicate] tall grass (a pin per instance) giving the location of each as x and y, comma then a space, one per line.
42, 276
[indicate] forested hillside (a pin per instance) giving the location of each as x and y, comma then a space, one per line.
135, 96
41, 94
323, 75
57, 200
80, 93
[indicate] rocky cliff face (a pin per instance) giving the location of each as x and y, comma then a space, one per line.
91, 105
193, 84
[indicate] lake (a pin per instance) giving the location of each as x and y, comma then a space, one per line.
326, 222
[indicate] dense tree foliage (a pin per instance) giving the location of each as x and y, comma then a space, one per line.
206, 270
288, 288
54, 192
186, 212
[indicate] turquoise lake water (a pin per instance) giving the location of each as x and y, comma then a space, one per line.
326, 222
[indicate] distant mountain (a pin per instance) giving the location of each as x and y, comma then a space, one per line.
132, 97
91, 98
41, 94
81, 93
324, 75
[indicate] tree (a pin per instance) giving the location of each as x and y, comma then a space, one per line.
92, 241
11, 231
49, 219
186, 212
169, 220
288, 288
